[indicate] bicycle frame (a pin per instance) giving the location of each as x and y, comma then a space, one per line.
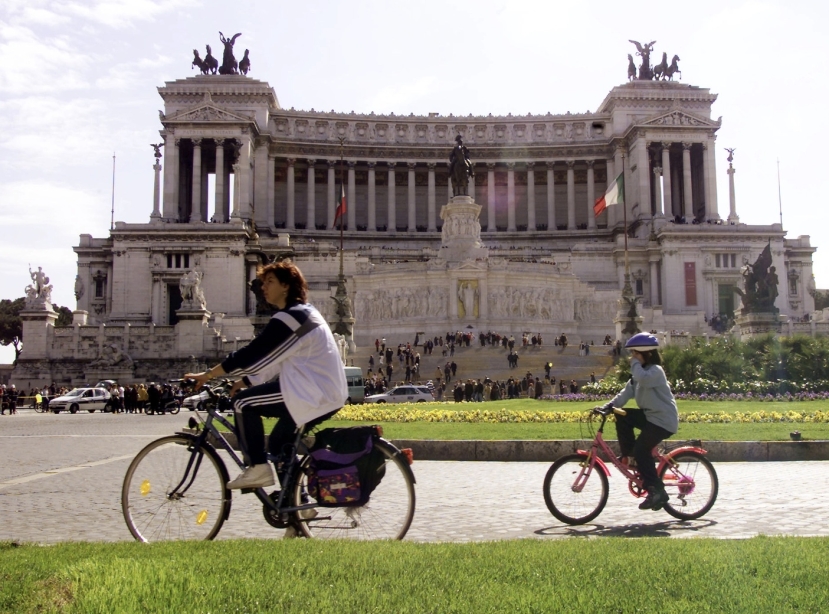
219, 441
599, 445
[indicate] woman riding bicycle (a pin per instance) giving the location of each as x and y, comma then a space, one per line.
291, 371
657, 420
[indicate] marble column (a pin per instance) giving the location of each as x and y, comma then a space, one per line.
156, 214
644, 176
290, 223
511, 196
490, 195
654, 282
551, 197
710, 170
171, 151
571, 195
591, 195
531, 223
220, 206
430, 198
666, 179
657, 190
412, 221
311, 200
392, 201
351, 203
332, 193
195, 201
733, 218
472, 182
372, 197
686, 176
245, 182
271, 174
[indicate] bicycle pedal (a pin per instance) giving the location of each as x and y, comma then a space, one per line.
245, 491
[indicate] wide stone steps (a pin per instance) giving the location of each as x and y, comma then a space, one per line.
480, 362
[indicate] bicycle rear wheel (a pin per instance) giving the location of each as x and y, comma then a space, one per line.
692, 485
387, 515
200, 504
573, 495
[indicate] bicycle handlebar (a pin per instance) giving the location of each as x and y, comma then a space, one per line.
606, 411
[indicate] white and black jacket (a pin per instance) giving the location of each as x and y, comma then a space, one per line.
298, 348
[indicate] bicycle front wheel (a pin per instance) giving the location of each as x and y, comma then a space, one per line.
691, 484
575, 493
173, 491
387, 515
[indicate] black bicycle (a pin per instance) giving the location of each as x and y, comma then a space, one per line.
176, 488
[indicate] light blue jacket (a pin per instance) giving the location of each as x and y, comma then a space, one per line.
649, 387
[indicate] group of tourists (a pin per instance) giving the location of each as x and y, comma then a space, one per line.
721, 322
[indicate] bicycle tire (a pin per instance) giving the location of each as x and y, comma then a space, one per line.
699, 497
567, 505
151, 515
387, 515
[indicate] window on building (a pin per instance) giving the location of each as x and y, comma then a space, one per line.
793, 285
717, 260
690, 284
733, 261
639, 287
725, 299
178, 261
99, 288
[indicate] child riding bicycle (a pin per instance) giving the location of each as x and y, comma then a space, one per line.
657, 420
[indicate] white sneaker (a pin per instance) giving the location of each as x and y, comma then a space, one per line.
255, 476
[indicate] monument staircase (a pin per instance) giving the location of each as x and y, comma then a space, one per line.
488, 361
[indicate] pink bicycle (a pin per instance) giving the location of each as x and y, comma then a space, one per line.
576, 485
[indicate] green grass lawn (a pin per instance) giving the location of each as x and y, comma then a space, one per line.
575, 575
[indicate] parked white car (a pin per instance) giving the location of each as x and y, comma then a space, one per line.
88, 399
402, 394
197, 401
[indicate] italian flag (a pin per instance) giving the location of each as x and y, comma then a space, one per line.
340, 212
615, 194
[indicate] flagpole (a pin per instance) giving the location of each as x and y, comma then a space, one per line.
779, 194
626, 290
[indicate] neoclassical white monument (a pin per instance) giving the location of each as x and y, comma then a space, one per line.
242, 178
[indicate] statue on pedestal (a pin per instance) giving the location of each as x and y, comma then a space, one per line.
192, 295
760, 280
39, 292
460, 168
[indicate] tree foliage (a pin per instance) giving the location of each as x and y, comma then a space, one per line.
11, 325
821, 299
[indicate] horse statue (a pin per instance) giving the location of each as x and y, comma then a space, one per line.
460, 168
210, 62
659, 69
229, 65
631, 68
198, 62
672, 69
244, 63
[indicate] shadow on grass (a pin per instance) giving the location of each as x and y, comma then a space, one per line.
669, 528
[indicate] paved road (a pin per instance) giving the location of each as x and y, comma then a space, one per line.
60, 479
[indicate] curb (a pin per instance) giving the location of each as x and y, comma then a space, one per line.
517, 451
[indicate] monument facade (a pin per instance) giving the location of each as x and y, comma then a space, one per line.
452, 222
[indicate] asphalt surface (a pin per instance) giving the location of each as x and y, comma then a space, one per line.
60, 480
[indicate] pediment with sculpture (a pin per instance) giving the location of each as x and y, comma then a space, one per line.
208, 113
681, 118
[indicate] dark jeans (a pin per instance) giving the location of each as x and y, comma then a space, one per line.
250, 405
641, 448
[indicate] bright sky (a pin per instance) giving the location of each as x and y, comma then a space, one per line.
78, 79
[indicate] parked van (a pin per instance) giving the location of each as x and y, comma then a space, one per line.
356, 385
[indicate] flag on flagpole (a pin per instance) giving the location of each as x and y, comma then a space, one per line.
615, 195
341, 207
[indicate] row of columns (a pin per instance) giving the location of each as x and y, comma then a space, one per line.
663, 191
432, 197
239, 156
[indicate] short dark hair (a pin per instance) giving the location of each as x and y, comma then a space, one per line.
652, 357
286, 272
